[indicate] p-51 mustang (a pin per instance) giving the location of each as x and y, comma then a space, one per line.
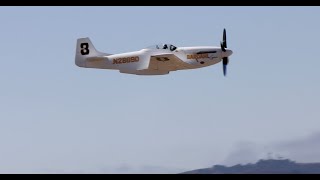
153, 60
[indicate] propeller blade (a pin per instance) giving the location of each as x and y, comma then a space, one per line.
225, 62
224, 70
224, 38
222, 47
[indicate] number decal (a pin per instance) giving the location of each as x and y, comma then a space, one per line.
84, 48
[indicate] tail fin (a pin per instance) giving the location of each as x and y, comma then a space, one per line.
84, 50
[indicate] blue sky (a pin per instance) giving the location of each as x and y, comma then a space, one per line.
57, 117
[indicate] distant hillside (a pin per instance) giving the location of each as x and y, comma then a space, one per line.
271, 166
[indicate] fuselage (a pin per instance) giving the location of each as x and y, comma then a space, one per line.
192, 57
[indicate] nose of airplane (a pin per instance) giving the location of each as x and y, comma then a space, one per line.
229, 52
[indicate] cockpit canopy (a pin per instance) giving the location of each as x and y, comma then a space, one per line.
163, 46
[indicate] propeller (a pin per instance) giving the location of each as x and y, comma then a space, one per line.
225, 60
224, 42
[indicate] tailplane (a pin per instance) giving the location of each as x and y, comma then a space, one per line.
84, 50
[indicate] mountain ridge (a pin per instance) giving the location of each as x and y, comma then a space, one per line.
269, 166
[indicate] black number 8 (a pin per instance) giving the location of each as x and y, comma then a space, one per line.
84, 48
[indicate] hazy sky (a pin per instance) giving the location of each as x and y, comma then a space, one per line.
57, 117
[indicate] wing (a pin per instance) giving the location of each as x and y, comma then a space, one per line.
166, 62
157, 64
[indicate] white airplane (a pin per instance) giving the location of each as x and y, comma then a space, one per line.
153, 60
